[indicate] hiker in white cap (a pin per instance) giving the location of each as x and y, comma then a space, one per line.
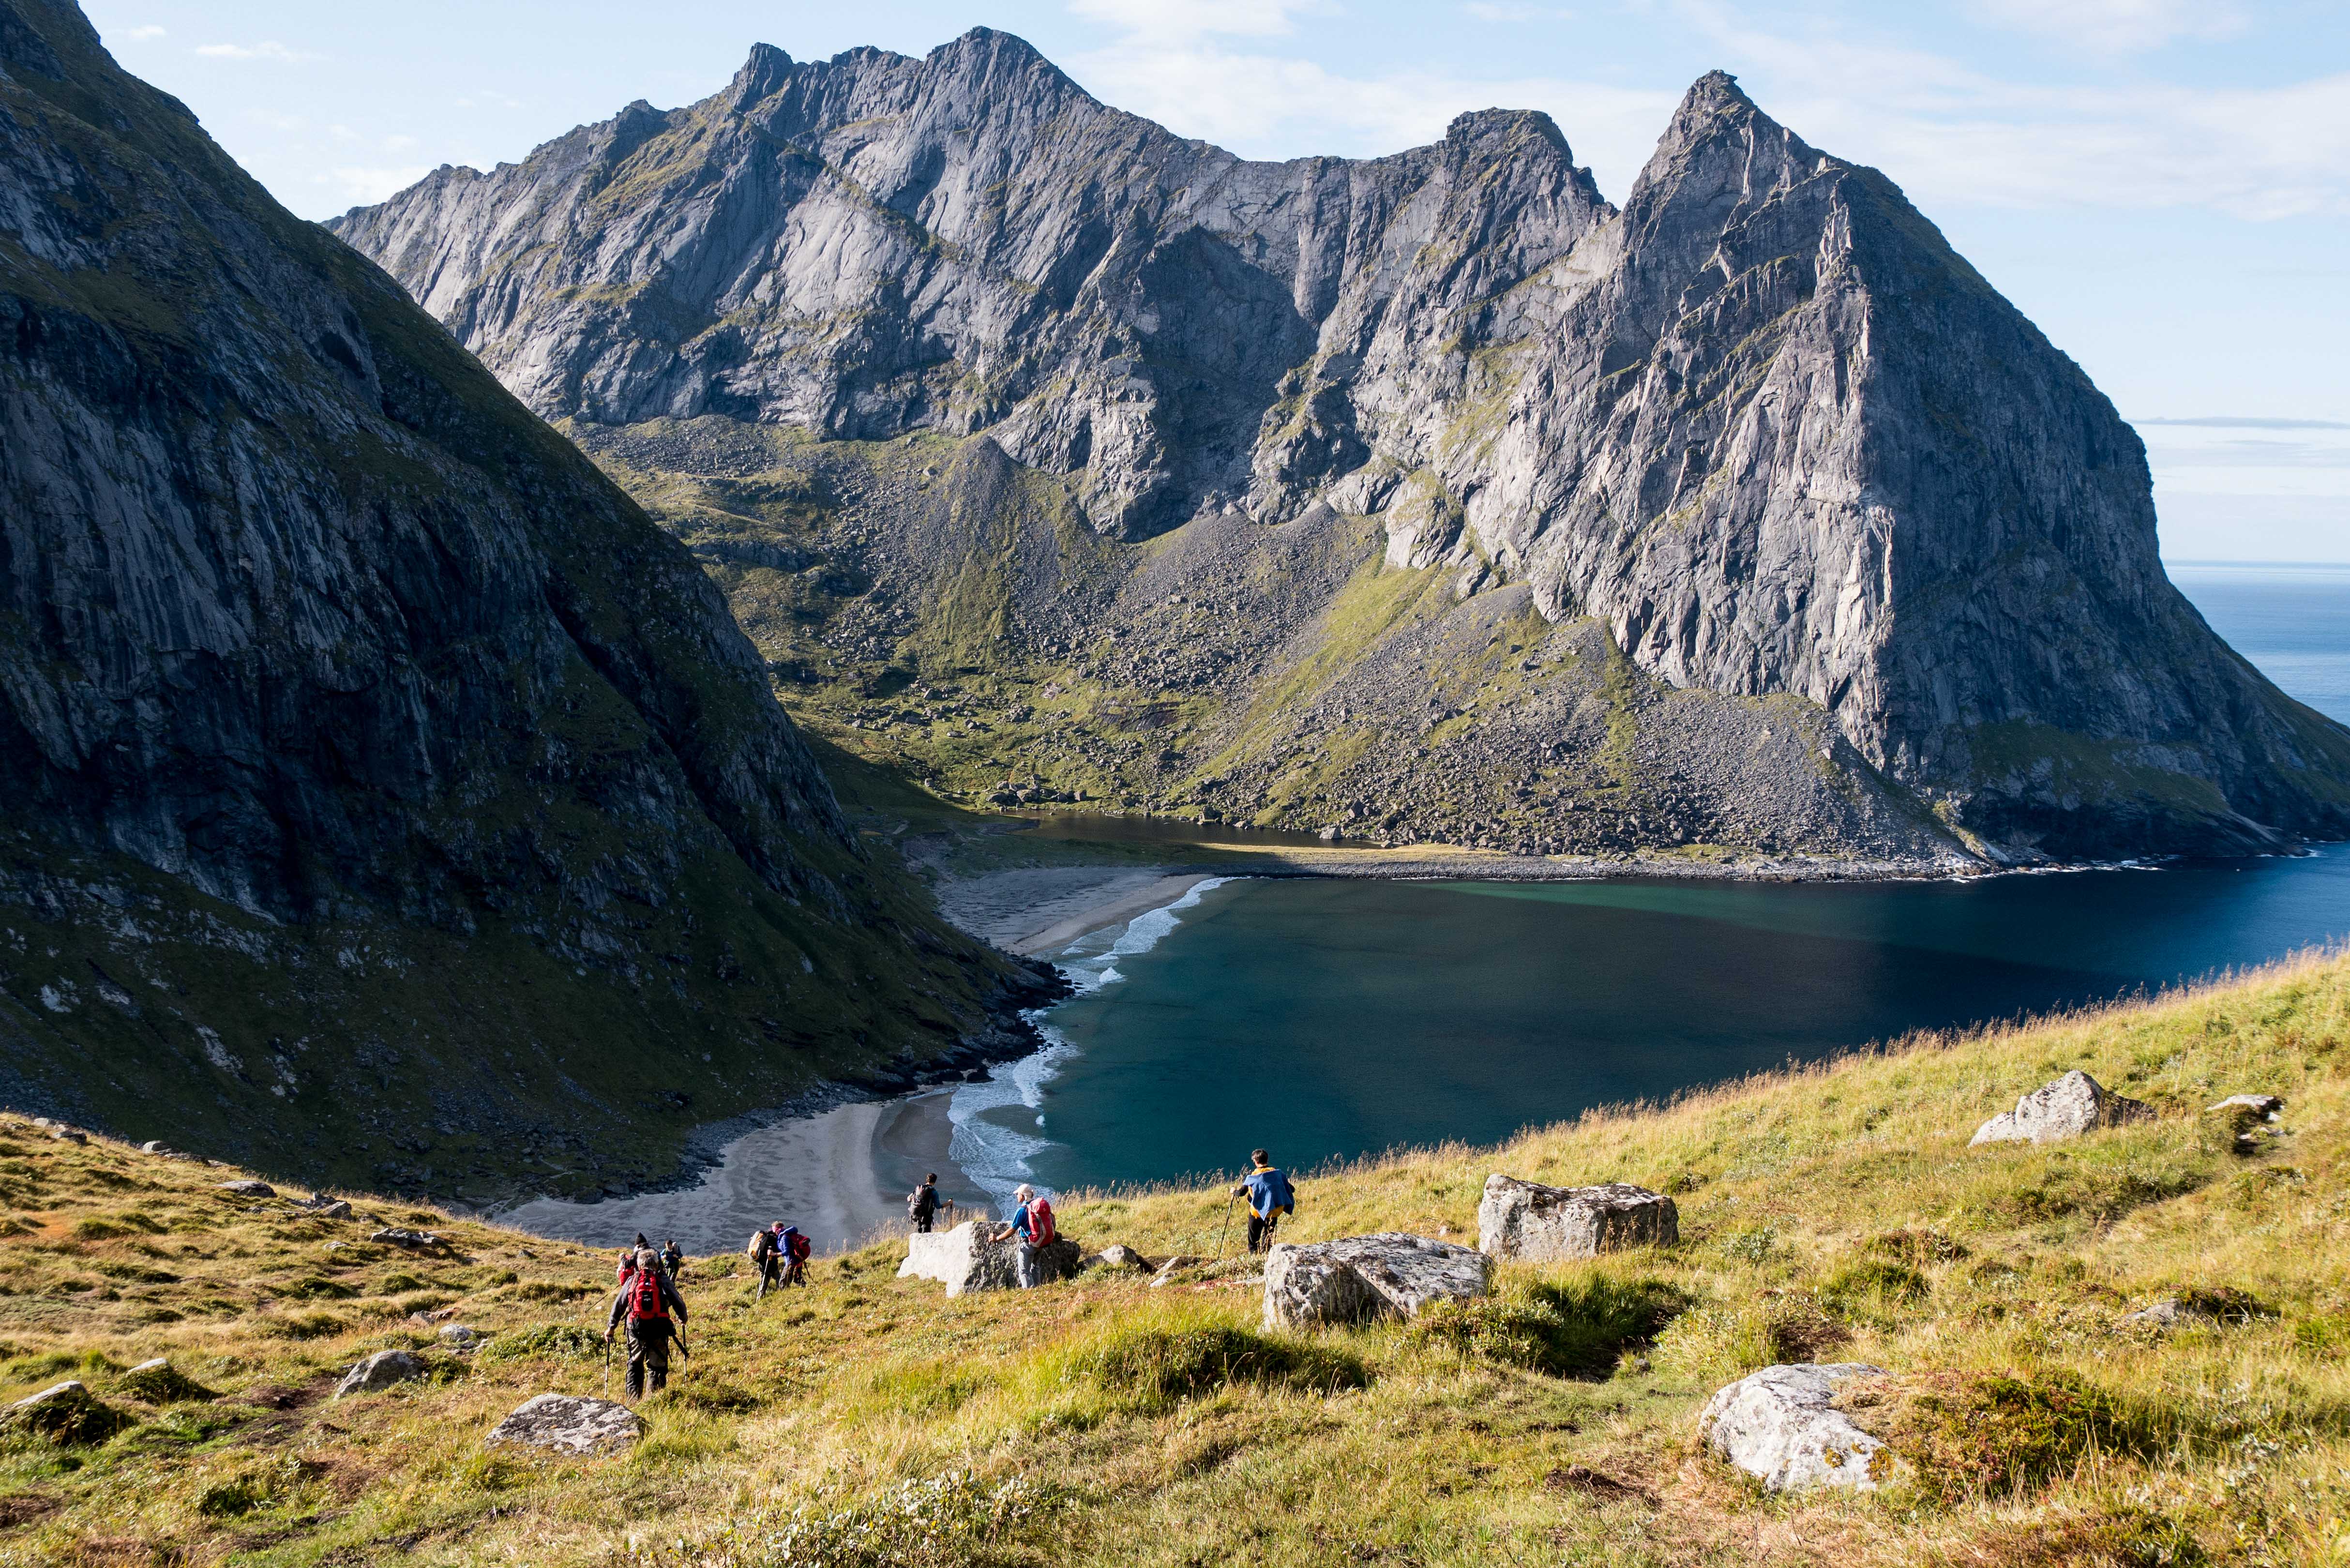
1031, 1223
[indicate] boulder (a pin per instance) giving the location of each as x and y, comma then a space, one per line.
1118, 1256
568, 1425
458, 1337
2267, 1108
964, 1259
1359, 1278
249, 1188
1547, 1224
2073, 1104
65, 1412
1173, 1266
397, 1236
334, 1208
159, 1382
67, 1134
153, 1146
2222, 1305
1781, 1426
381, 1370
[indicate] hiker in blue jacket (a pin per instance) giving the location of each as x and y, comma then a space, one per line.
1270, 1197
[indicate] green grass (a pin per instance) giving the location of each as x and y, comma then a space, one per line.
1833, 1213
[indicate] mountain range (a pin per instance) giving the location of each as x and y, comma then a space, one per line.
1054, 458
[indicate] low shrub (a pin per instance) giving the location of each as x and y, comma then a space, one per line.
1157, 1364
317, 1288
1873, 1282
1573, 1329
1723, 1343
557, 1341
1916, 1246
1973, 1433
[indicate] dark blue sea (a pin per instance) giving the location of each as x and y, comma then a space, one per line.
1331, 1018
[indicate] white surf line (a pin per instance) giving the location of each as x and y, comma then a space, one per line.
995, 1156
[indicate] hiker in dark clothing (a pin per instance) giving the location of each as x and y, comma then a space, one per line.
1269, 1196
672, 1258
766, 1254
922, 1204
654, 1312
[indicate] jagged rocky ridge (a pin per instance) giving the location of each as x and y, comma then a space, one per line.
1807, 538
382, 798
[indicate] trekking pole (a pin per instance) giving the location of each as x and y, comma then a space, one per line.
607, 1366
1226, 1231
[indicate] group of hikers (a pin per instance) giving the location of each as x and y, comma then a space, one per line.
650, 1302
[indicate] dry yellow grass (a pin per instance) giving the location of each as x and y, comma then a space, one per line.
1834, 1211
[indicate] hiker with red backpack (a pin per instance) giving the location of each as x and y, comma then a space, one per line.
655, 1314
795, 1248
1033, 1224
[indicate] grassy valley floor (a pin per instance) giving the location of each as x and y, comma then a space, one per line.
1830, 1214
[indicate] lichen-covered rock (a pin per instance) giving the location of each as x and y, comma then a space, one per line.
1760, 424
2067, 1107
2265, 1107
249, 1188
381, 1370
401, 1236
1544, 1224
1359, 1278
1781, 1426
1117, 1255
966, 1259
568, 1424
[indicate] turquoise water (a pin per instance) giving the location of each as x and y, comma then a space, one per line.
1333, 1018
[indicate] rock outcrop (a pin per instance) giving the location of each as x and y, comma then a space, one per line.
159, 1382
380, 1371
1745, 513
384, 797
1359, 1278
1546, 1224
965, 1259
65, 1412
2066, 1107
1781, 1426
568, 1424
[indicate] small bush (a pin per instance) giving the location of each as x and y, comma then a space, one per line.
1569, 1330
1873, 1282
1919, 1248
399, 1282
1969, 1434
1159, 1363
557, 1341
317, 1288
306, 1325
712, 1395
1723, 1343
1752, 1246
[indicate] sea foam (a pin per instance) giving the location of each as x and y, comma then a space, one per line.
991, 1151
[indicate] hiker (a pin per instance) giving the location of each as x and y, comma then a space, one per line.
766, 1257
626, 1266
922, 1204
654, 1313
1269, 1196
1031, 1223
793, 1247
672, 1258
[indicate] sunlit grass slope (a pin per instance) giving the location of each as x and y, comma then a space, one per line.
1835, 1213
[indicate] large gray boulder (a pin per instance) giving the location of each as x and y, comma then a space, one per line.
1781, 1426
568, 1425
381, 1370
964, 1259
1545, 1224
1359, 1278
2067, 1107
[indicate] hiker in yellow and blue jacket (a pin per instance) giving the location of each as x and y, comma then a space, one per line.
1270, 1197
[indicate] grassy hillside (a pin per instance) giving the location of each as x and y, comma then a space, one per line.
1834, 1213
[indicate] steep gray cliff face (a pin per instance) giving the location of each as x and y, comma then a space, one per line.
385, 797
1761, 427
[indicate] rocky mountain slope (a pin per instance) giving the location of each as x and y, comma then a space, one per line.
1429, 496
382, 795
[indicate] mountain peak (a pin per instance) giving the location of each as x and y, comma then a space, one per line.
763, 75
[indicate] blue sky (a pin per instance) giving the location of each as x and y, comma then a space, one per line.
2163, 185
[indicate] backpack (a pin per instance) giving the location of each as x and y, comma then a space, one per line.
921, 1202
1041, 1230
763, 1241
800, 1245
645, 1297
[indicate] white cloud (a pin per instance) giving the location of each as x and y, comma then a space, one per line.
267, 49
144, 34
399, 143
2114, 26
1267, 105
1487, 11
364, 186
1171, 19
1948, 133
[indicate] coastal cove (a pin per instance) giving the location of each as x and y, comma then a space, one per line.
1334, 1016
